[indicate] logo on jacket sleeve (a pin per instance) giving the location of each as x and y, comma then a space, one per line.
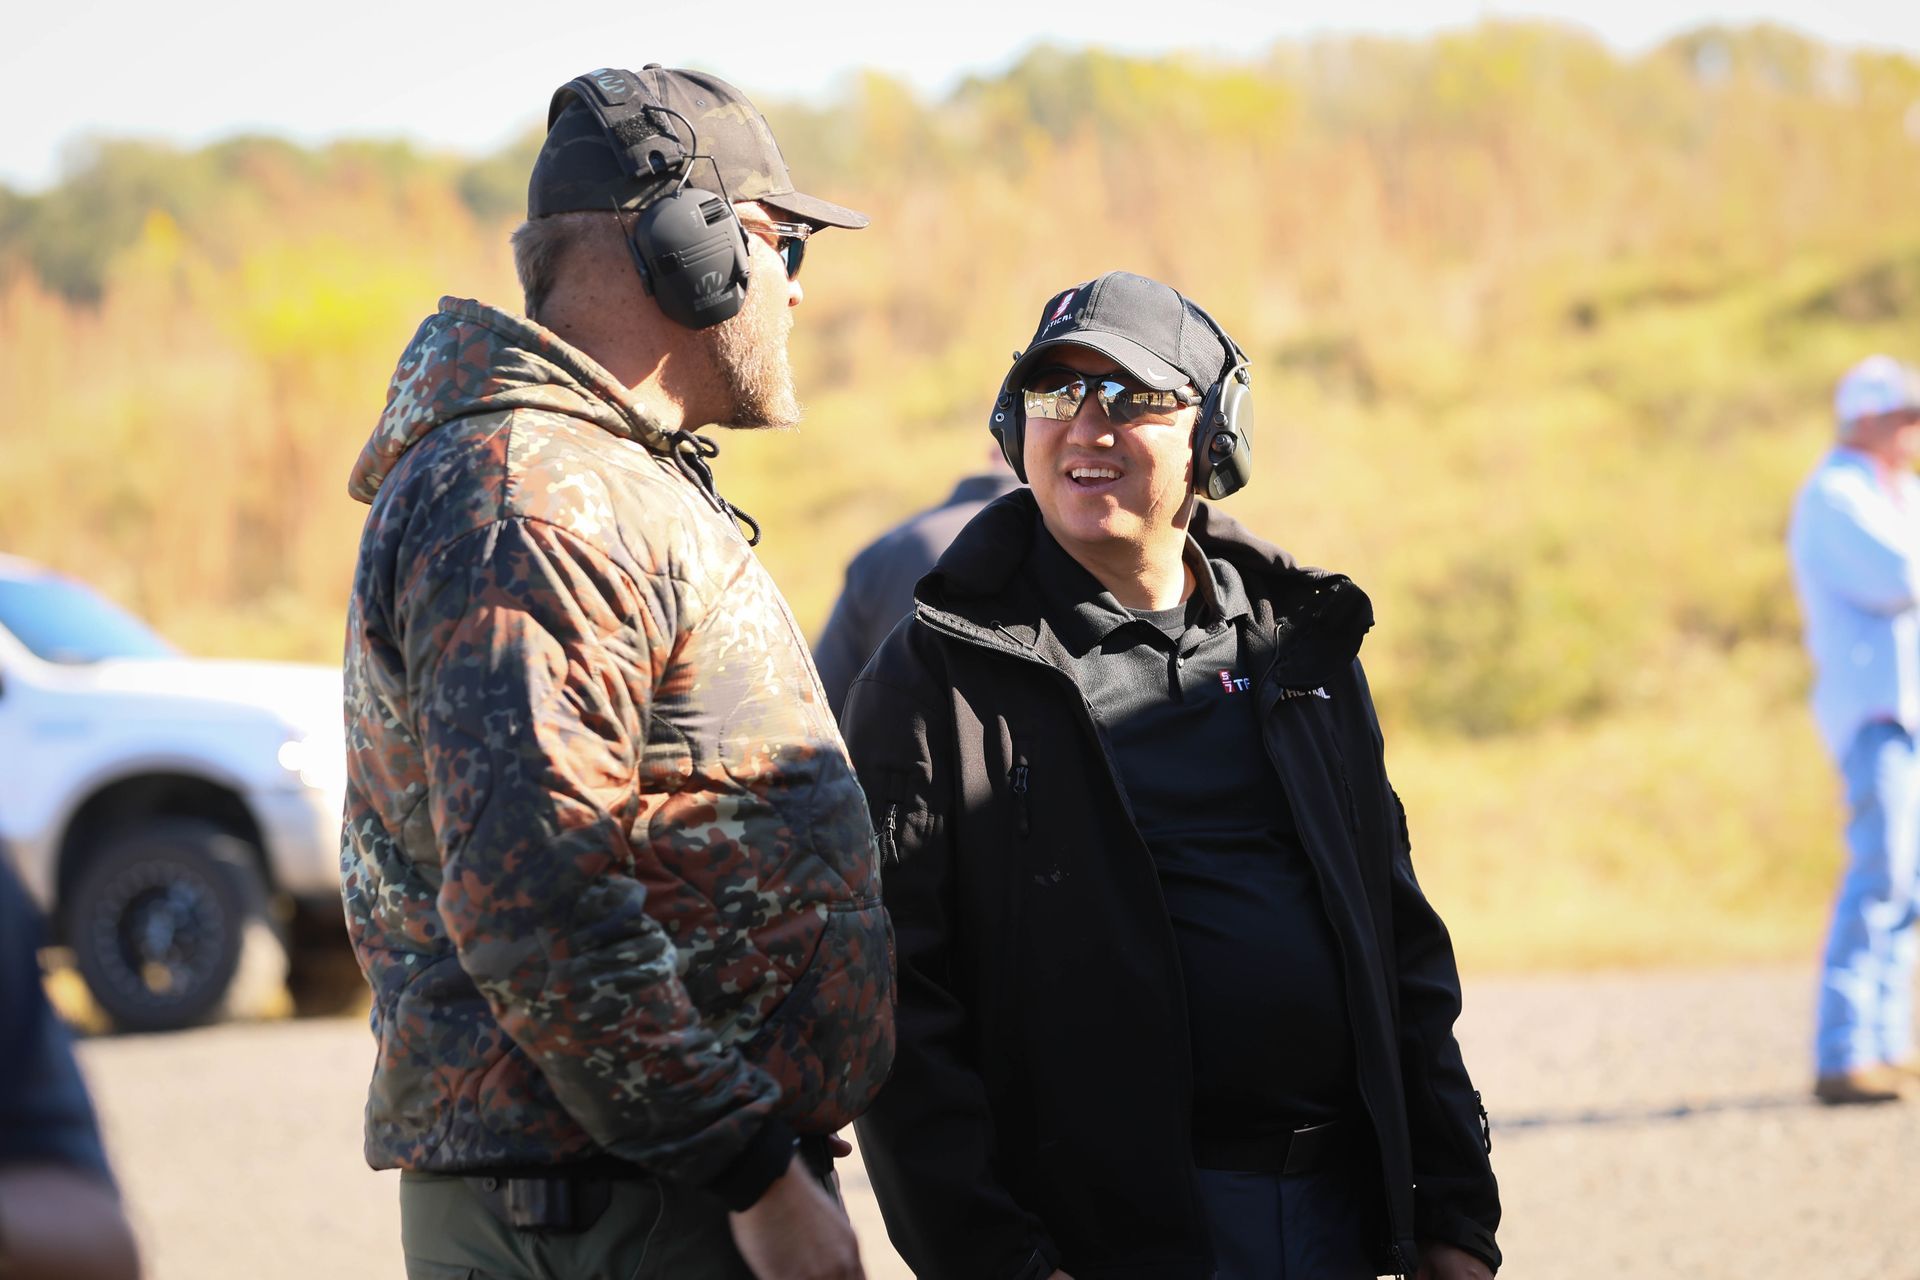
1321, 692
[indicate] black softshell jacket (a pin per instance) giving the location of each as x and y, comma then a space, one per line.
1038, 1111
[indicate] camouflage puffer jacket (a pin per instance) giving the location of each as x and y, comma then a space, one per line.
605, 862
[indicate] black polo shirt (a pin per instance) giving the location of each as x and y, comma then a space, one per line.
1173, 697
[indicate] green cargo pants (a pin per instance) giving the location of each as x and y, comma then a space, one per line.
650, 1230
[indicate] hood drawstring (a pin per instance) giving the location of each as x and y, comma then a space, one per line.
690, 451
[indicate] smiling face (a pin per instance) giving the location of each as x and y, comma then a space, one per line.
1111, 494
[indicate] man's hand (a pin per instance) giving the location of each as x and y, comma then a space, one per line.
60, 1224
1444, 1262
796, 1232
1059, 1275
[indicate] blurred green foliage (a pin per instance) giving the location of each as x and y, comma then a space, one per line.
1542, 336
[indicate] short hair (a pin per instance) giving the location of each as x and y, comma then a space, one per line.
541, 246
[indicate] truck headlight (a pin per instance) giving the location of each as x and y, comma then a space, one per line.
319, 762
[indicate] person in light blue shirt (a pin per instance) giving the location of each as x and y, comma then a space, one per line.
1855, 546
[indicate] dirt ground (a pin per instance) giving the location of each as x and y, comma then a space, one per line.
1651, 1125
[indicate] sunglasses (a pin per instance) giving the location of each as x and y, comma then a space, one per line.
789, 240
1058, 393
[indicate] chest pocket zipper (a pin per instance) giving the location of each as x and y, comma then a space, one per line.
1020, 780
889, 834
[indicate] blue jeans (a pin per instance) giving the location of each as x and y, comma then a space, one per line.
1866, 982
1285, 1226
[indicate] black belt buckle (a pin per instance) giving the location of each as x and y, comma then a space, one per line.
1302, 1150
1311, 1148
554, 1205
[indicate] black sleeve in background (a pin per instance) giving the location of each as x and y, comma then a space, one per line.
1456, 1199
928, 1138
877, 594
45, 1115
844, 644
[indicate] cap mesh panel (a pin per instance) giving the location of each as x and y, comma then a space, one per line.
1202, 355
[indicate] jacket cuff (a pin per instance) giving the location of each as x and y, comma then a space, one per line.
757, 1167
1449, 1226
1038, 1265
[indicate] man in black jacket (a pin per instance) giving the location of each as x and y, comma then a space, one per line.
1171, 1001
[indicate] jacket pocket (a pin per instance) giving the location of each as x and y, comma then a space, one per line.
899, 814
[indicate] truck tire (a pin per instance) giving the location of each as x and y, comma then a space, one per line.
169, 920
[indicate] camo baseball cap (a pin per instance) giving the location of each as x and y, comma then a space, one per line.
577, 169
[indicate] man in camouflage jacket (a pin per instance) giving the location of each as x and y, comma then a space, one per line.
606, 864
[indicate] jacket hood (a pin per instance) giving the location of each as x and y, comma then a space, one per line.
1316, 619
470, 358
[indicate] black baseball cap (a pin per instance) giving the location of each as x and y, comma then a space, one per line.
1144, 326
577, 169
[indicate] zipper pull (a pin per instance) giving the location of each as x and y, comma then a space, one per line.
1021, 778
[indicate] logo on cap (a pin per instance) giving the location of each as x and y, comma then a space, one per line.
1059, 312
611, 84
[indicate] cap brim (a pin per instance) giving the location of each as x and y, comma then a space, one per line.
821, 213
1148, 368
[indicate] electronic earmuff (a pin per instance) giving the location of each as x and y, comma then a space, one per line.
687, 245
1009, 424
1222, 429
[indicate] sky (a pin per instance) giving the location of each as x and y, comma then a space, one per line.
470, 76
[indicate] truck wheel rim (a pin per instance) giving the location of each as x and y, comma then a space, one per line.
160, 933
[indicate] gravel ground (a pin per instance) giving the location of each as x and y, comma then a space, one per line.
1652, 1125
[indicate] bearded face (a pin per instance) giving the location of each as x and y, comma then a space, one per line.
749, 352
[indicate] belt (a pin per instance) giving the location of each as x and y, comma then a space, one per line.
1305, 1150
569, 1198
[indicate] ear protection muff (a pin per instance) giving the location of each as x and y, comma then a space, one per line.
1222, 429
691, 253
687, 245
1009, 424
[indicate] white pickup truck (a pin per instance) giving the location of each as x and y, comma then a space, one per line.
169, 814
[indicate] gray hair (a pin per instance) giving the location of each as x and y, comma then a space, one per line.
541, 245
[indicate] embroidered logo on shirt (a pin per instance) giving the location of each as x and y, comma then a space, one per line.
1321, 692
1233, 683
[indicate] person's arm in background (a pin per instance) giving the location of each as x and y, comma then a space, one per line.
1847, 538
877, 595
847, 641
60, 1215
57, 1223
